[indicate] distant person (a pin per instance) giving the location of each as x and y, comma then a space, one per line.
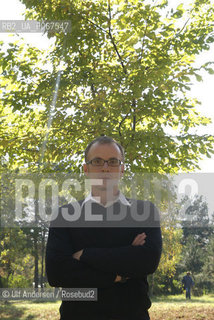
188, 283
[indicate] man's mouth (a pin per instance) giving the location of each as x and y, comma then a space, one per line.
105, 178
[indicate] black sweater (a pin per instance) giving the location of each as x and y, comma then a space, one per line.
107, 252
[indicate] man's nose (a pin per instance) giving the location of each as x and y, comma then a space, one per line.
105, 166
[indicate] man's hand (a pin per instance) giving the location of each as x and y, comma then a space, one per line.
118, 279
121, 279
77, 254
139, 240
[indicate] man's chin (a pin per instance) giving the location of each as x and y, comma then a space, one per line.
105, 187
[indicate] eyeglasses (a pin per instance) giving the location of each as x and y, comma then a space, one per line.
98, 162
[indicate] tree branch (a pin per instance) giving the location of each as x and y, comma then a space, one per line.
183, 27
112, 39
143, 41
96, 25
134, 118
93, 90
121, 122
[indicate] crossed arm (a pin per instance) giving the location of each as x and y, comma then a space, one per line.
139, 240
100, 267
64, 271
133, 261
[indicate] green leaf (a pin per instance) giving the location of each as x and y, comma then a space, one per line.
198, 77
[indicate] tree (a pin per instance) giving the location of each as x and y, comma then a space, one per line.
162, 280
208, 267
15, 264
127, 67
124, 70
198, 224
197, 243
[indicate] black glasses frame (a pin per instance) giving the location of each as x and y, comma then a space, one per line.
103, 162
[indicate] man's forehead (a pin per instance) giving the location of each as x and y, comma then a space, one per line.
104, 148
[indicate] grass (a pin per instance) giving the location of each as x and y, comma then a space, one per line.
27, 310
163, 308
177, 307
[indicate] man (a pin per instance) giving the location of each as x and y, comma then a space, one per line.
188, 283
115, 260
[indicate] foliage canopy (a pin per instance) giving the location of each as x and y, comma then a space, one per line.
126, 67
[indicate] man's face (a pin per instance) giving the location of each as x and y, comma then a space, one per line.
106, 172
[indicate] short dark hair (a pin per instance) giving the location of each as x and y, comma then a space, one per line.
104, 140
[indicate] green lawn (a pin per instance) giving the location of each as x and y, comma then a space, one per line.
177, 307
181, 300
163, 308
27, 310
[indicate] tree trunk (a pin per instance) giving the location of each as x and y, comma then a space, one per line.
43, 255
36, 259
152, 285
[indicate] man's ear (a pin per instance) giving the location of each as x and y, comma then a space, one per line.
122, 169
85, 169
